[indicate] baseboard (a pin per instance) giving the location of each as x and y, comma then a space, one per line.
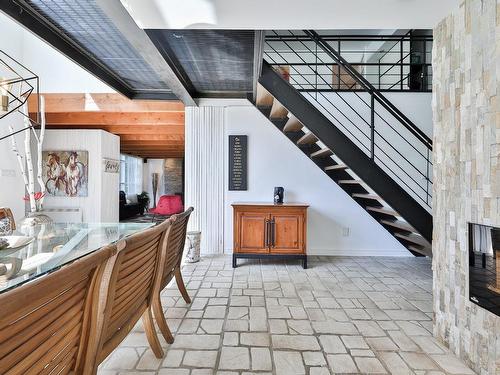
352, 253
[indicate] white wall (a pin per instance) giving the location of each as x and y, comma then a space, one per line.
101, 204
57, 74
409, 173
275, 161
272, 161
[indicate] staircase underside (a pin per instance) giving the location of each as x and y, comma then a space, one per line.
340, 172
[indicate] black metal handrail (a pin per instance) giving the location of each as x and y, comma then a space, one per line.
407, 163
354, 48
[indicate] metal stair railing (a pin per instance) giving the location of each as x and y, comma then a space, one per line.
376, 126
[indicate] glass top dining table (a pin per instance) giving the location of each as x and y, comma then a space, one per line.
54, 245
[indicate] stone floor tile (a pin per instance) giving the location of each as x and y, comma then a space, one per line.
211, 326
403, 342
236, 325
278, 312
314, 358
381, 343
278, 326
148, 361
419, 361
295, 342
338, 328
342, 363
231, 339
394, 363
332, 344
254, 339
189, 326
234, 358
173, 358
319, 371
174, 371
300, 327
288, 363
370, 365
354, 342
200, 358
450, 364
215, 312
122, 359
196, 342
361, 353
238, 313
261, 359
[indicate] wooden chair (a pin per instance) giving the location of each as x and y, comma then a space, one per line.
7, 213
128, 291
45, 325
175, 240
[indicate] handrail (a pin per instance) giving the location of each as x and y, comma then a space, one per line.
381, 99
407, 161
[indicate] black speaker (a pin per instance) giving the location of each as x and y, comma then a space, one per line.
278, 195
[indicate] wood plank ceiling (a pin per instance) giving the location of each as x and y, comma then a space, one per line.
148, 129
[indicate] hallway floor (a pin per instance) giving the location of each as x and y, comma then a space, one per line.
342, 315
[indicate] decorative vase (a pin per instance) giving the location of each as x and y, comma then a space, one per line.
35, 218
193, 247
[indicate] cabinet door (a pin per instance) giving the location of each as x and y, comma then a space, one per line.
287, 233
251, 232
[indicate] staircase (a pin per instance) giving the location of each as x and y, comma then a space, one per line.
391, 196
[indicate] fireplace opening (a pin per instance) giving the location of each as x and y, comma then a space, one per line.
484, 266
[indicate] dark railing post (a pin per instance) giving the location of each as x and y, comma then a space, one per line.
427, 178
372, 127
401, 62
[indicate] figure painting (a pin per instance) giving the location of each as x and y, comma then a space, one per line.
65, 173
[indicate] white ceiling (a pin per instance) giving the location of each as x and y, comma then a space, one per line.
289, 14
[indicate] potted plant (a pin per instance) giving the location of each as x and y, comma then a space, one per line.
143, 199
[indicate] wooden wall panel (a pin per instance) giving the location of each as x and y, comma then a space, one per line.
148, 129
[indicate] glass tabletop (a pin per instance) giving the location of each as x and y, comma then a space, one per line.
54, 245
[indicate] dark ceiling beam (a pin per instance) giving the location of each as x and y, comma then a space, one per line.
141, 42
21, 12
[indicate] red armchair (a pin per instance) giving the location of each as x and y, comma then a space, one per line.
168, 205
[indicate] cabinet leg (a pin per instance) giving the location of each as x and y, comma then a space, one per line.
234, 261
304, 262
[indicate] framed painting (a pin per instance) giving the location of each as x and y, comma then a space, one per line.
65, 173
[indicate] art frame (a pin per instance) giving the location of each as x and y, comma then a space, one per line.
65, 173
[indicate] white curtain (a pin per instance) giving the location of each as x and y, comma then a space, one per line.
204, 178
130, 174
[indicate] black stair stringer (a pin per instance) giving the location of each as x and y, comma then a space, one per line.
348, 152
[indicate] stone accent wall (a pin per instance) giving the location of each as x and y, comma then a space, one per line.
466, 65
173, 176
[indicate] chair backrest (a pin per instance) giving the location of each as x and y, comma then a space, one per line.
169, 205
133, 277
6, 213
45, 325
175, 244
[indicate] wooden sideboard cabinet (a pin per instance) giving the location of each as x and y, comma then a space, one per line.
264, 230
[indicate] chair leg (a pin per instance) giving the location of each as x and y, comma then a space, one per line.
181, 286
154, 342
160, 319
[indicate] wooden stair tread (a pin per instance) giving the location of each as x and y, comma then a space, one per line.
278, 110
415, 238
293, 125
425, 250
383, 210
399, 224
358, 182
323, 153
367, 196
264, 98
335, 167
307, 139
